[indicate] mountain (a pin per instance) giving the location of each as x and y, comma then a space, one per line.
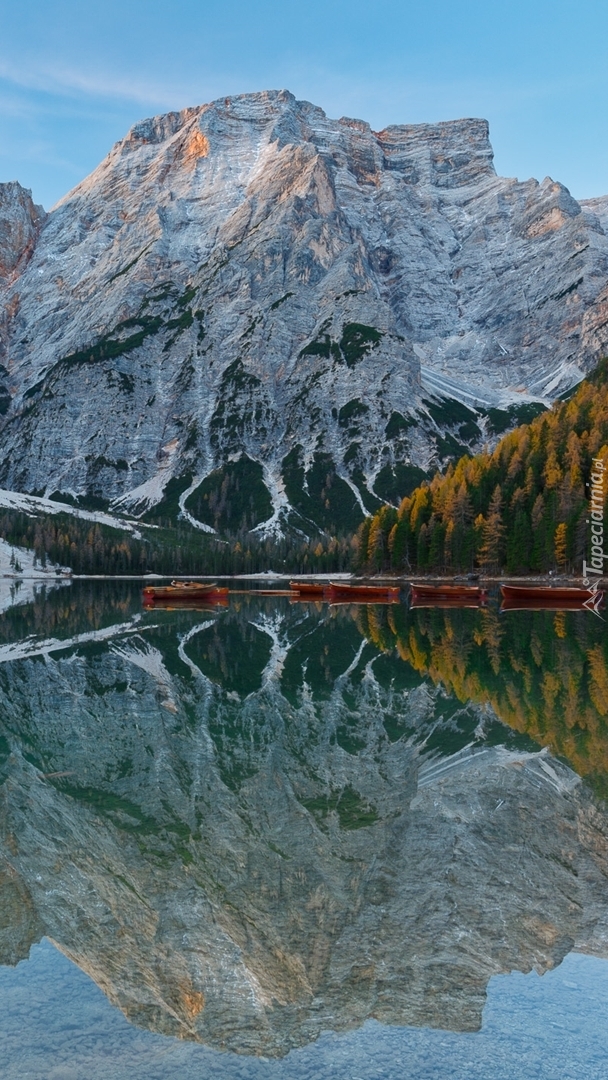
285, 318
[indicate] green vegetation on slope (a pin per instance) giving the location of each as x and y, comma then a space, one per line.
357, 340
320, 496
233, 499
92, 548
522, 508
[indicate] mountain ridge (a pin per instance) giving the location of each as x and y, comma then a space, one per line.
250, 279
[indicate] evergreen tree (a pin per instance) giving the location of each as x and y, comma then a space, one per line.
492, 550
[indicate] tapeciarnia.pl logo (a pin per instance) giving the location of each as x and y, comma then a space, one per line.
596, 520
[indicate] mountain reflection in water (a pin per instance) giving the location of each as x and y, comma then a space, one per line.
253, 825
545, 673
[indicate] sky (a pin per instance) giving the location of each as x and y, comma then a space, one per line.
76, 74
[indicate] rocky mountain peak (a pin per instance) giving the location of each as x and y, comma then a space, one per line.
446, 155
251, 281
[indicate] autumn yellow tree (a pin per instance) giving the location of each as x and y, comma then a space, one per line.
560, 544
491, 553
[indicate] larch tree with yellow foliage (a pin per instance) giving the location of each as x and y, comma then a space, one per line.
521, 508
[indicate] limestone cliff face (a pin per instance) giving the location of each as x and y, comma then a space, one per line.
249, 853
20, 223
252, 278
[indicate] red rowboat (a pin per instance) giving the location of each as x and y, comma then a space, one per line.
447, 595
543, 596
307, 589
363, 594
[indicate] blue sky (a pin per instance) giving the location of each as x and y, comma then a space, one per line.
74, 75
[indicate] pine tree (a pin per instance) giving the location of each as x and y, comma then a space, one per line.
491, 552
422, 550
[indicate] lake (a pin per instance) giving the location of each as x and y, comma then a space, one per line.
295, 840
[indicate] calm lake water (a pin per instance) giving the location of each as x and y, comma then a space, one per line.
279, 839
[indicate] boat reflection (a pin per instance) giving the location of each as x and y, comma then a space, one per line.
553, 598
188, 603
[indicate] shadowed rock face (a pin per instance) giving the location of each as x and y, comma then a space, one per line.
251, 277
20, 223
249, 864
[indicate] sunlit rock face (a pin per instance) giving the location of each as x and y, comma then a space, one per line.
251, 830
252, 278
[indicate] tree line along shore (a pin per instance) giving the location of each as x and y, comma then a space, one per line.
522, 509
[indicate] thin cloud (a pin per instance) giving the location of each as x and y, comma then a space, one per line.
391, 99
61, 79
17, 108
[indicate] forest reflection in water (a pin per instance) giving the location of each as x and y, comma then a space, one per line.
255, 824
545, 673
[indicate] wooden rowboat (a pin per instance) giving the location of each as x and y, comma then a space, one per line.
363, 594
531, 597
308, 589
184, 590
543, 592
447, 595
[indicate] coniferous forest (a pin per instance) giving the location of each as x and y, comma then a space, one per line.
523, 508
86, 547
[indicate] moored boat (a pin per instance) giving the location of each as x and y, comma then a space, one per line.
308, 589
185, 590
550, 597
363, 594
447, 595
